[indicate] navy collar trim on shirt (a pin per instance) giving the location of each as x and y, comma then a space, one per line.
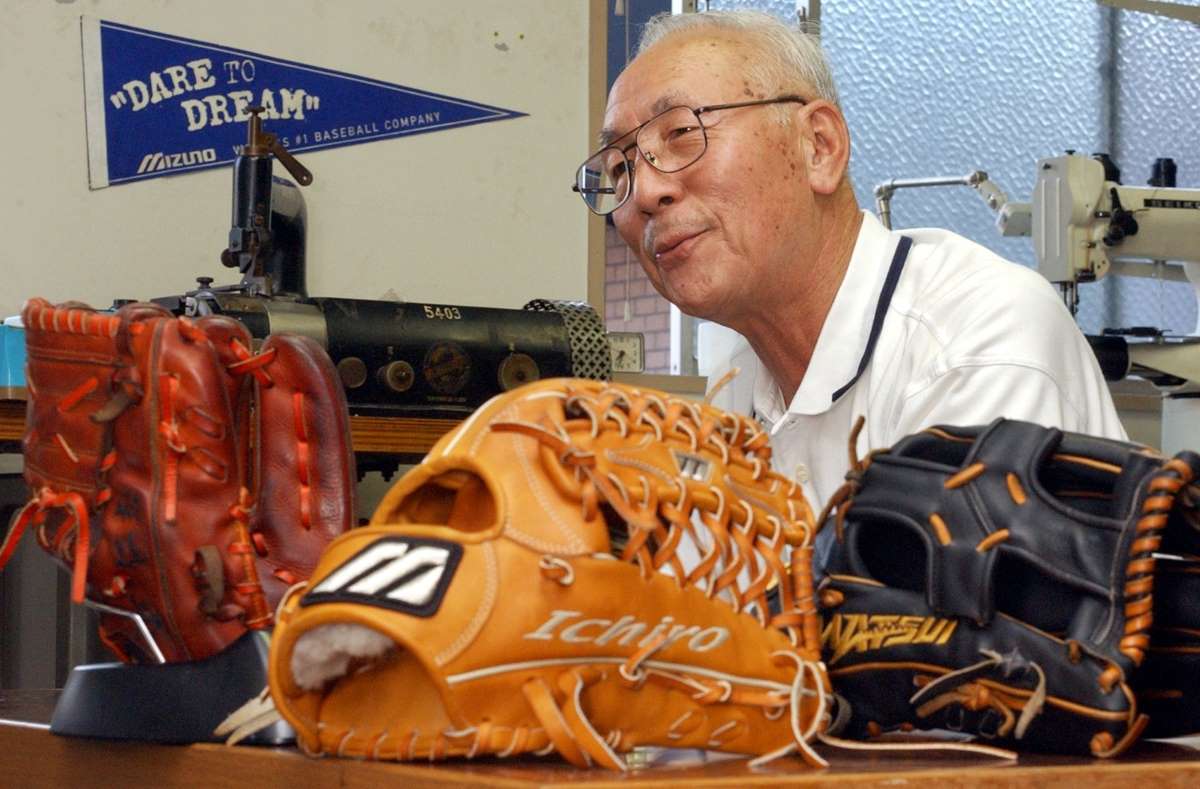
885, 299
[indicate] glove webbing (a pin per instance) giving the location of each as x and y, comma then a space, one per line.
660, 507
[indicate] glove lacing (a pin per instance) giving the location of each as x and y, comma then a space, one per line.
737, 441
576, 739
737, 539
958, 687
71, 541
1172, 483
842, 499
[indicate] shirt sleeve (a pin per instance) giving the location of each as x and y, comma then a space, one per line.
1017, 353
976, 393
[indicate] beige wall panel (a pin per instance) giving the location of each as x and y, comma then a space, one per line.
477, 215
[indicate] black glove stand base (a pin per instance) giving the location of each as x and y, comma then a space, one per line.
171, 703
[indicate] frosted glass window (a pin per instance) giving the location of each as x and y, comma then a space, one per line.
931, 88
1157, 109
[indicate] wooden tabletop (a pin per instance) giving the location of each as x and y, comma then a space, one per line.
31, 756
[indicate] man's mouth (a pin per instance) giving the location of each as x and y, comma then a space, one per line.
675, 248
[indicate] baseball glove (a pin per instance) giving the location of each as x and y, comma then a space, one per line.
178, 475
579, 567
1000, 581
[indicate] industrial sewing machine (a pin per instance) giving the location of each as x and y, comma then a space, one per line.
1086, 224
393, 357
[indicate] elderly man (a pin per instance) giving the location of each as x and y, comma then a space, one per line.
724, 166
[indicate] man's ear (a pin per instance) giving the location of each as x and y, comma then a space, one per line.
828, 148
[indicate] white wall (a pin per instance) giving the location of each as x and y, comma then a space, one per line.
478, 215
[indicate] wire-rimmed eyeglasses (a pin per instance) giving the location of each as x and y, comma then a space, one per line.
670, 141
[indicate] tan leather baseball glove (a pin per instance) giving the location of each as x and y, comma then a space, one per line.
177, 474
580, 567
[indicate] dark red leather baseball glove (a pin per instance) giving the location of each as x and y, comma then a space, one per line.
176, 473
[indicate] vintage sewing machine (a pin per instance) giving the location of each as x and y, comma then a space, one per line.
1085, 224
393, 357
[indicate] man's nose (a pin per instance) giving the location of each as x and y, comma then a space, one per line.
652, 188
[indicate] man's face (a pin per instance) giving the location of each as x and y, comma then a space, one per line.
721, 236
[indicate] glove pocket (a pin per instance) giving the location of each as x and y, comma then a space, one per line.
359, 662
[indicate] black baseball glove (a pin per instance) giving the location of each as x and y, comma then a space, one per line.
1001, 581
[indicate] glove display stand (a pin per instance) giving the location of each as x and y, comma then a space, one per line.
169, 703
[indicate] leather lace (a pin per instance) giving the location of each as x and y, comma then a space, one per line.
750, 549
961, 687
71, 540
841, 500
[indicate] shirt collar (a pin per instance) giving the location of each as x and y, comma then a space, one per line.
844, 333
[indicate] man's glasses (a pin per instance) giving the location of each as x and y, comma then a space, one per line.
670, 141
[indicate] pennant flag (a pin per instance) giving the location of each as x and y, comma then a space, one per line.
160, 105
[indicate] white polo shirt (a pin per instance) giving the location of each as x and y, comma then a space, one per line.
967, 337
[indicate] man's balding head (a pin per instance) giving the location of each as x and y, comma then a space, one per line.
785, 60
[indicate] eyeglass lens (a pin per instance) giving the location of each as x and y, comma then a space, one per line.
668, 142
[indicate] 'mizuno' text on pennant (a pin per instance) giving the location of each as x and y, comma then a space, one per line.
160, 105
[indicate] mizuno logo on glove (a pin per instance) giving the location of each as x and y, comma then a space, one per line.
405, 574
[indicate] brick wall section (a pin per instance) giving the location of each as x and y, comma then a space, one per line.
649, 312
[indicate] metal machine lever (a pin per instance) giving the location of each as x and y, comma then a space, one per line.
251, 236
